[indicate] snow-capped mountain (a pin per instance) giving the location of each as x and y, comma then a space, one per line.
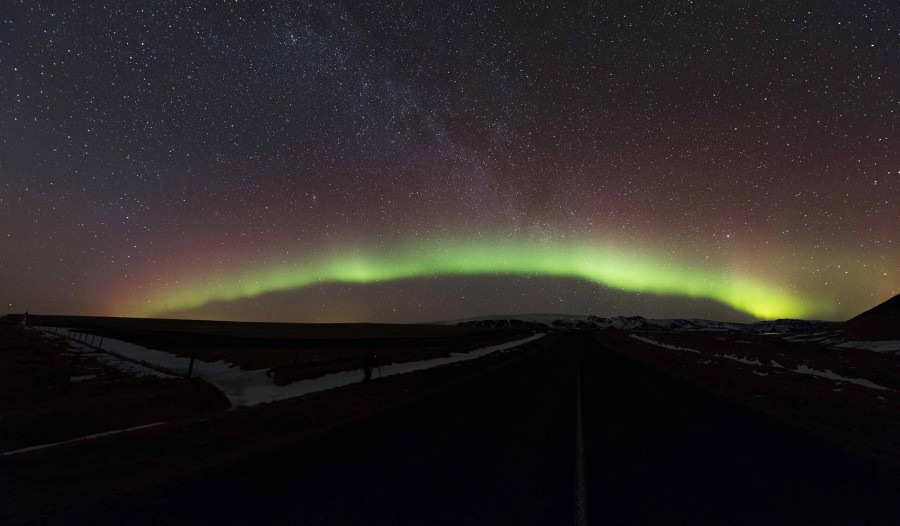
564, 321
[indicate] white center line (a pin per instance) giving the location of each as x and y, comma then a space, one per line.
581, 489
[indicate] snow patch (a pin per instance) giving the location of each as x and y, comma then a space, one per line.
882, 346
115, 362
130, 358
736, 358
831, 375
664, 345
892, 346
732, 357
249, 388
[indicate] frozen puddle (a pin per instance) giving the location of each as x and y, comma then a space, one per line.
248, 388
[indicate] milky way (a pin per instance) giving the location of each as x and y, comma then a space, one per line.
406, 162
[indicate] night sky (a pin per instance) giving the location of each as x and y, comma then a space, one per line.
405, 161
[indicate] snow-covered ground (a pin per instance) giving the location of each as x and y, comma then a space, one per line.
569, 321
886, 346
127, 365
663, 345
732, 357
831, 375
248, 388
736, 358
801, 369
546, 319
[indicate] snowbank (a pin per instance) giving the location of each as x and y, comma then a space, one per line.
831, 375
248, 388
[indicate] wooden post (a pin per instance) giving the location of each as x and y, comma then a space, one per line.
191, 367
100, 345
92, 340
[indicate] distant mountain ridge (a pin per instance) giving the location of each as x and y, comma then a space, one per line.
563, 321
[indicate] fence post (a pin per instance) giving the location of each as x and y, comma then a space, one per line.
100, 345
190, 367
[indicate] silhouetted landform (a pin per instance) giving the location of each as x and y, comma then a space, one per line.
229, 330
879, 322
113, 432
639, 323
890, 308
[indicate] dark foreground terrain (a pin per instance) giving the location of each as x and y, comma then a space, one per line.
565, 433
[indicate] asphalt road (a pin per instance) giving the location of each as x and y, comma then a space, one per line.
568, 434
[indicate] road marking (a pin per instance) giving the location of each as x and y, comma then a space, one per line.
580, 487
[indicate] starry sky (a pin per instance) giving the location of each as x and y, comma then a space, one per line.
418, 161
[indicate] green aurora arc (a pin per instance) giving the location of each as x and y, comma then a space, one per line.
607, 266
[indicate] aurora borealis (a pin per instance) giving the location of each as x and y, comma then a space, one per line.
606, 267
416, 162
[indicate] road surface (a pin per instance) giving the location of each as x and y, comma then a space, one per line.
570, 433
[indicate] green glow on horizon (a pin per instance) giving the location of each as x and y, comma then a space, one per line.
611, 267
